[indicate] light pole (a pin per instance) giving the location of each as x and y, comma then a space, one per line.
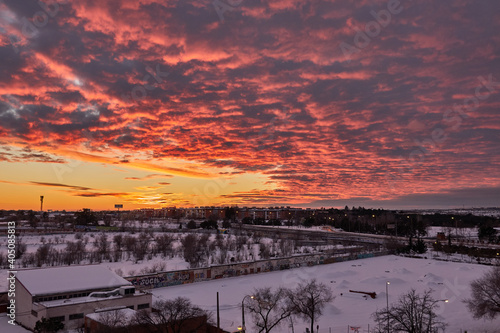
430, 315
387, 299
243, 328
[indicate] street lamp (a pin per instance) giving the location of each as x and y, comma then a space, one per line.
430, 317
243, 328
387, 299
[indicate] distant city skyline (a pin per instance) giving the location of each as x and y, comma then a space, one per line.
382, 104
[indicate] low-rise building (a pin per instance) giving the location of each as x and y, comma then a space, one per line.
70, 293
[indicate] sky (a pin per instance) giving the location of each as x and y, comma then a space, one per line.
148, 103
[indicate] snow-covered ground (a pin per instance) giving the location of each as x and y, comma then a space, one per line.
325, 228
493, 211
448, 280
5, 327
465, 233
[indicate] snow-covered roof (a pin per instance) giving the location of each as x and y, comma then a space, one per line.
54, 280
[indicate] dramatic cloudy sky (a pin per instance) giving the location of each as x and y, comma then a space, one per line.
315, 103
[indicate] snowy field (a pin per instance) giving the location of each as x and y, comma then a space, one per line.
465, 233
5, 327
448, 280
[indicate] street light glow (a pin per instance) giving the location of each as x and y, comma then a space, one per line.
242, 327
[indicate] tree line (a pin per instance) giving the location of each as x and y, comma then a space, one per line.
199, 250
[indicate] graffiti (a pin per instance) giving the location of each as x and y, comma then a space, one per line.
183, 277
148, 282
304, 262
365, 255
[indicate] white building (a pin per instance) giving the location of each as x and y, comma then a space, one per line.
70, 293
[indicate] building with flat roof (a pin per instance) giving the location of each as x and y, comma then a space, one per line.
70, 293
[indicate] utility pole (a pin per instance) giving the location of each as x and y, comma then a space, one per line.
387, 298
41, 203
218, 316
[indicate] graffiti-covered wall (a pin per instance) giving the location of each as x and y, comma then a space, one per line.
173, 278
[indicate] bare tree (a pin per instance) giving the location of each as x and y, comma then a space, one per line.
20, 247
70, 254
101, 245
309, 299
42, 254
142, 245
130, 244
286, 247
113, 321
485, 296
222, 256
265, 252
412, 313
118, 240
172, 316
269, 308
191, 250
164, 244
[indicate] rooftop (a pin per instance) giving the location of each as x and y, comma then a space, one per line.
54, 280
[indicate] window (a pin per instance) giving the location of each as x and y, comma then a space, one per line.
75, 316
131, 307
60, 318
34, 313
129, 291
142, 306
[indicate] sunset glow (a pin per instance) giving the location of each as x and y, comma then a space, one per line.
305, 103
